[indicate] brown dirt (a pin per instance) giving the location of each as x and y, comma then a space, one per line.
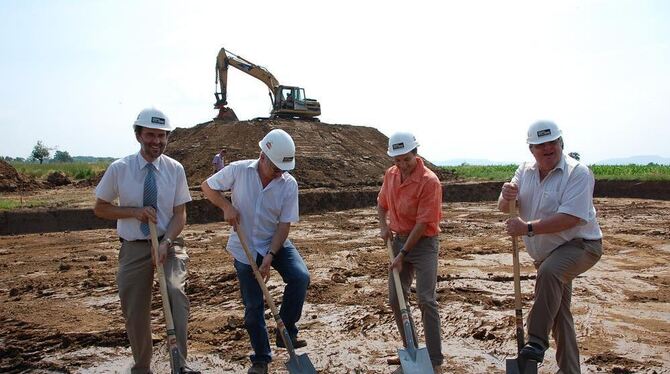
327, 155
59, 311
11, 180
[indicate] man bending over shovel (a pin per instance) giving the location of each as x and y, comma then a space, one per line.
264, 203
411, 200
558, 223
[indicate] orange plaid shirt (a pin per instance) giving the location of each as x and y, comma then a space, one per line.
416, 200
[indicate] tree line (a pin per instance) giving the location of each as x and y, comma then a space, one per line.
43, 154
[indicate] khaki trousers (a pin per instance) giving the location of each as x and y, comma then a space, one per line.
422, 262
553, 294
135, 280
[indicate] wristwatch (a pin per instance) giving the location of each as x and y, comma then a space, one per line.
169, 241
530, 230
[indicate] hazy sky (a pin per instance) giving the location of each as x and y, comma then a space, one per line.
467, 77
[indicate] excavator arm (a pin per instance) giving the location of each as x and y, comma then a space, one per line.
227, 58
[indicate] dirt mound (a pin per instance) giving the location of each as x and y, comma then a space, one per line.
12, 180
58, 178
327, 155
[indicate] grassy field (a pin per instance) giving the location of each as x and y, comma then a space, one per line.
19, 202
75, 170
650, 172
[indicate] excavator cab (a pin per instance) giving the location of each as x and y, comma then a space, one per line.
290, 102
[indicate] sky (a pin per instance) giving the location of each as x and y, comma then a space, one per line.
466, 77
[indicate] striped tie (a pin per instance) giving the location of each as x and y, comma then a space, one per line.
150, 194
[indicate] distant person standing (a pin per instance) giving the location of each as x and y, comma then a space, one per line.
411, 200
558, 222
150, 187
218, 160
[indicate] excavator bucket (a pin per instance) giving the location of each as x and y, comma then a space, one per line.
226, 115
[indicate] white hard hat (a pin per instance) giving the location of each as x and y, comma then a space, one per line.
401, 143
280, 149
542, 132
153, 118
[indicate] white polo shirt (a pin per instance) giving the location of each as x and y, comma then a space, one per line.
568, 188
260, 209
124, 179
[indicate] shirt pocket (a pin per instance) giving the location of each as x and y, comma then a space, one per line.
549, 203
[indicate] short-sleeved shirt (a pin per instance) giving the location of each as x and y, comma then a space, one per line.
568, 188
260, 209
217, 161
124, 179
418, 199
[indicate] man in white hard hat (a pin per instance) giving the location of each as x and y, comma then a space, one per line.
264, 204
150, 187
410, 200
558, 223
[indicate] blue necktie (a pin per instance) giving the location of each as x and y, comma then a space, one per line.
150, 194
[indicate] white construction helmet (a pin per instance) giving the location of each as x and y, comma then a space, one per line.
401, 143
542, 132
280, 149
153, 118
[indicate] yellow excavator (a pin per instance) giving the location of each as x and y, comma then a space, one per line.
287, 101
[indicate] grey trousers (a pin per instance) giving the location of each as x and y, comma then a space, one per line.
422, 262
553, 294
135, 279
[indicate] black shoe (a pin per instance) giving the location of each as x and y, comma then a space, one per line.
532, 351
297, 343
258, 368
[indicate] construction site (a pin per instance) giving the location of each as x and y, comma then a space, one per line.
60, 310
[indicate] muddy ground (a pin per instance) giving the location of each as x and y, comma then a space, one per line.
59, 310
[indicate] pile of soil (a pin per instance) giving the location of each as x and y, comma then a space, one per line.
58, 178
332, 156
11, 180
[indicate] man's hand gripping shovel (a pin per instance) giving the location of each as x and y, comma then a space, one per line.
413, 360
176, 360
297, 364
518, 365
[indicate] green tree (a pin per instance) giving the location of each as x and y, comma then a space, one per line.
40, 152
62, 156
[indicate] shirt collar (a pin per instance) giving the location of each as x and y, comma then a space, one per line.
142, 162
416, 174
254, 165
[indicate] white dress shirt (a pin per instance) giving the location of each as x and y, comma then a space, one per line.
260, 209
124, 179
568, 188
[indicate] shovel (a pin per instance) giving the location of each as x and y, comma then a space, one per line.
297, 364
175, 356
518, 365
413, 360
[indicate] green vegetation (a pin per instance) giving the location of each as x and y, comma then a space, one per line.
482, 172
650, 172
75, 170
13, 203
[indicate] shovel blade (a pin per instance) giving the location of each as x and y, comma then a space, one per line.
300, 364
417, 363
516, 366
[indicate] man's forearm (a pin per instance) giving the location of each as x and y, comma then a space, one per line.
107, 210
177, 222
414, 236
381, 214
555, 223
215, 196
279, 237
